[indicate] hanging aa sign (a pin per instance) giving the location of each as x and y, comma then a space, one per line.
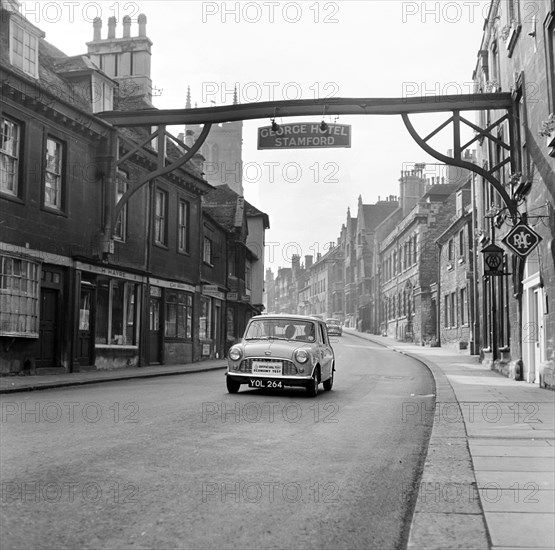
493, 260
521, 239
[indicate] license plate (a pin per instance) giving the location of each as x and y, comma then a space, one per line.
267, 367
265, 384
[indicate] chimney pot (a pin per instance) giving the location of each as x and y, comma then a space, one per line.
142, 24
97, 26
111, 27
127, 26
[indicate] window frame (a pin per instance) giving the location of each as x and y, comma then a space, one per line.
33, 70
59, 178
205, 321
120, 229
130, 295
183, 226
182, 302
23, 294
463, 296
207, 250
453, 307
160, 233
15, 158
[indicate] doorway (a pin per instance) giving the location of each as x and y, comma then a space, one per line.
85, 330
48, 328
154, 336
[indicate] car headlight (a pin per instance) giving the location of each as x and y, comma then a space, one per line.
301, 355
235, 354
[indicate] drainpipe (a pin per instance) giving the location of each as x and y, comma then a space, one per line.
438, 296
472, 255
109, 177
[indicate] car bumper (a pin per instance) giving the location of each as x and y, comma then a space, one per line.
243, 378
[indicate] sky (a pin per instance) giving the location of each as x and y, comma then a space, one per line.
307, 49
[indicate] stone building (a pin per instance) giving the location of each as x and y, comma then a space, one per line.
454, 292
406, 258
369, 216
517, 54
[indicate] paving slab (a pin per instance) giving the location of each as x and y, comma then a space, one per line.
496, 480
441, 531
536, 451
513, 463
527, 500
528, 530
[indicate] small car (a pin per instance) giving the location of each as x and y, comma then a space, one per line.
334, 327
277, 351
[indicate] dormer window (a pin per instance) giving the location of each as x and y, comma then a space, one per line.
24, 50
102, 96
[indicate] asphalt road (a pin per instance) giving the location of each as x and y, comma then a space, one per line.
177, 462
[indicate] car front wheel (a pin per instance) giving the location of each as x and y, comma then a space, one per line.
232, 386
312, 387
328, 384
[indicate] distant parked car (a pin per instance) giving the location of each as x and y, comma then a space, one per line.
282, 350
334, 327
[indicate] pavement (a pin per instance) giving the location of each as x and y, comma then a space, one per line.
489, 476
9, 384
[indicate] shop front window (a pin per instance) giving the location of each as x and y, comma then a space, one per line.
19, 297
179, 315
116, 312
205, 321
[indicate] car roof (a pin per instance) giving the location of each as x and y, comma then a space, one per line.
293, 317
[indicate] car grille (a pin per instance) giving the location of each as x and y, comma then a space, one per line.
289, 367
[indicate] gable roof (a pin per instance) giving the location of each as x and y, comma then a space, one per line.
374, 214
222, 204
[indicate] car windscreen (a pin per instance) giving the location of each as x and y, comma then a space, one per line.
282, 329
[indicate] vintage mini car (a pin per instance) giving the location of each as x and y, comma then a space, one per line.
282, 350
334, 327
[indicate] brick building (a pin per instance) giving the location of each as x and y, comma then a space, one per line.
74, 295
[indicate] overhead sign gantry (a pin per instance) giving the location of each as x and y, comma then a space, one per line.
453, 105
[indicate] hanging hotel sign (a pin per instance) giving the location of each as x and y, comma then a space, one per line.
493, 260
304, 135
521, 239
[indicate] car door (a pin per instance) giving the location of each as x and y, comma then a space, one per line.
326, 362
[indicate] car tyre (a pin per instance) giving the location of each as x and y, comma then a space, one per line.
328, 384
312, 387
232, 386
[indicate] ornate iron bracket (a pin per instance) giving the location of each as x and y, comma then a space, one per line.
162, 168
458, 150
